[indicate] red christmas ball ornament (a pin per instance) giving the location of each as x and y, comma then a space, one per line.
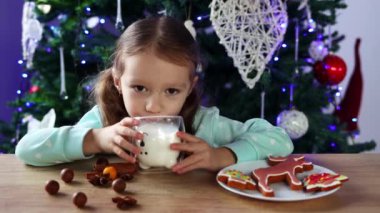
331, 70
34, 89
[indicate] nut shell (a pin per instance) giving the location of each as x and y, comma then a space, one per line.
67, 175
79, 199
52, 187
118, 185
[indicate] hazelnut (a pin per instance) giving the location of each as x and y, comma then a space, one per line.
118, 185
52, 187
102, 161
103, 181
67, 175
100, 164
126, 177
79, 199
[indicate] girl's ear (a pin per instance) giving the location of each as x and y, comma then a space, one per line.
116, 82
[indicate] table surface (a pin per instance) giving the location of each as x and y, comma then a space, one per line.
22, 189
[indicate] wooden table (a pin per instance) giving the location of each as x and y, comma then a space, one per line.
22, 189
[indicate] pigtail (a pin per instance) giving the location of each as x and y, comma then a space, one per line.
189, 109
109, 100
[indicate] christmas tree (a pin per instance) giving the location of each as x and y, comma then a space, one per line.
66, 43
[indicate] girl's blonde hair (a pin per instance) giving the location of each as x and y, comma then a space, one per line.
169, 40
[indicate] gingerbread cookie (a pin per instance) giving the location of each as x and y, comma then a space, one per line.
283, 169
323, 182
236, 179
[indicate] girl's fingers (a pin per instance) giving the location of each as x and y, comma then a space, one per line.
189, 147
124, 144
192, 143
128, 121
189, 168
190, 163
128, 132
181, 147
188, 137
122, 154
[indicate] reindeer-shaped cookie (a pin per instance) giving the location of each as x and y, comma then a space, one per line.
283, 169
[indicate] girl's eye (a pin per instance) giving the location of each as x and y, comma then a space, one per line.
139, 88
172, 91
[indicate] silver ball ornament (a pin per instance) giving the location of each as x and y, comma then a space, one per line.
294, 122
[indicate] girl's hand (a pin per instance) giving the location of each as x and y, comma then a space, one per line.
116, 138
201, 155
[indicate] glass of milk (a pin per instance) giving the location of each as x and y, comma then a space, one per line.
159, 132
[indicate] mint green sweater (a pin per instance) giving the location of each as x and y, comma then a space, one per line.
253, 140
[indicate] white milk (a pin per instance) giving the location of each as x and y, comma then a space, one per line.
155, 150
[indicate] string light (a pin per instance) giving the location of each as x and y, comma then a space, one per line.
356, 134
201, 17
88, 88
333, 144
309, 60
87, 10
20, 62
312, 25
102, 21
332, 127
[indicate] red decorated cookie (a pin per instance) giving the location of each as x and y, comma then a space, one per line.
284, 168
236, 179
323, 182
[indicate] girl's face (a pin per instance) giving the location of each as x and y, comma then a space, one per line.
152, 86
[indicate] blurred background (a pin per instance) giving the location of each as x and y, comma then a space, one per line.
355, 19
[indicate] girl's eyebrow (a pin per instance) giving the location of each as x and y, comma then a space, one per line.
176, 85
135, 81
140, 81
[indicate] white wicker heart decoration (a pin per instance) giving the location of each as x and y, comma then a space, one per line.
250, 30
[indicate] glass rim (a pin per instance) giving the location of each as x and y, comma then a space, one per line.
157, 117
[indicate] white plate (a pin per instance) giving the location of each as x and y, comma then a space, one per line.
282, 190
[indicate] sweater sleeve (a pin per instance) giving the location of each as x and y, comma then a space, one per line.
254, 139
49, 146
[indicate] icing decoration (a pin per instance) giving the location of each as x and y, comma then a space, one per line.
236, 179
285, 169
323, 182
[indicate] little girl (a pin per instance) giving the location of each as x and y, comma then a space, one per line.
153, 73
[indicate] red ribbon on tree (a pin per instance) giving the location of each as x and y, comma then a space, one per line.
350, 105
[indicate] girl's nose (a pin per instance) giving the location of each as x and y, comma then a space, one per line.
153, 104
